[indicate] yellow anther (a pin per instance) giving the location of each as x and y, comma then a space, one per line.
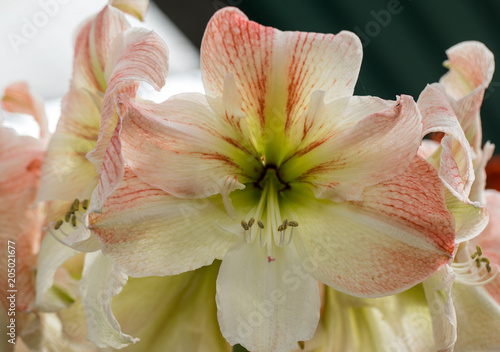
244, 225
479, 251
488, 267
67, 217
260, 223
478, 263
85, 204
485, 260
474, 255
58, 225
251, 222
73, 221
293, 223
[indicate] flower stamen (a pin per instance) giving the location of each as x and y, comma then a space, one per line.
473, 272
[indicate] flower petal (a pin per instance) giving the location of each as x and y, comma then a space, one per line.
146, 231
471, 67
364, 147
182, 147
101, 281
172, 313
92, 48
478, 317
66, 172
51, 256
276, 72
444, 321
18, 98
136, 8
456, 168
398, 236
136, 55
264, 304
395, 323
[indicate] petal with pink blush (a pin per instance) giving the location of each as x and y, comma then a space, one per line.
354, 145
136, 55
183, 147
456, 168
146, 231
471, 66
398, 236
92, 48
276, 72
18, 98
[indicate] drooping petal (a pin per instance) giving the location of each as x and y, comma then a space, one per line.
173, 313
182, 147
398, 236
265, 304
101, 281
18, 98
92, 48
354, 144
51, 256
136, 55
470, 219
67, 173
136, 8
471, 67
276, 72
146, 231
456, 168
444, 321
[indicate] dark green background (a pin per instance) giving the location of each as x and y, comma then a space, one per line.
402, 58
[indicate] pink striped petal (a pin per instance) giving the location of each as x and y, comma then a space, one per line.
471, 67
185, 148
398, 236
18, 98
92, 48
276, 72
137, 55
136, 8
355, 142
146, 231
456, 168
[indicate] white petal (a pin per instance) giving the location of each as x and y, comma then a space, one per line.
101, 281
266, 304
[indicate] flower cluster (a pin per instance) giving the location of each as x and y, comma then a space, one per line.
276, 211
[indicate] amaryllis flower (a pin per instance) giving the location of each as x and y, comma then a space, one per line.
284, 175
111, 58
21, 221
461, 296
